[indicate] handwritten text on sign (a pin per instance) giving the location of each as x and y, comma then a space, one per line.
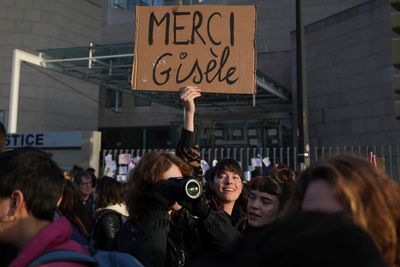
209, 46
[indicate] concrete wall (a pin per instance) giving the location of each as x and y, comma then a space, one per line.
46, 104
349, 74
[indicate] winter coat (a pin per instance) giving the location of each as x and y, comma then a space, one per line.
302, 239
238, 218
85, 212
160, 239
79, 233
56, 235
156, 241
108, 222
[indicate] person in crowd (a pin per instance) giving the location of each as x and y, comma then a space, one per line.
70, 196
224, 185
9, 252
265, 202
31, 185
111, 212
302, 239
74, 170
225, 191
84, 207
352, 187
165, 227
92, 172
285, 173
286, 178
269, 197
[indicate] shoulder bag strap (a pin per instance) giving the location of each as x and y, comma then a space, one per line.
62, 255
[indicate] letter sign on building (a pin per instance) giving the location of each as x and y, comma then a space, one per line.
212, 47
45, 140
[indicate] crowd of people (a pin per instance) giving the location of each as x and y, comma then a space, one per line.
340, 212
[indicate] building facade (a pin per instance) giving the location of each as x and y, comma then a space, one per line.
350, 74
350, 96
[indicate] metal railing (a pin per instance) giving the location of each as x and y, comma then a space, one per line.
388, 156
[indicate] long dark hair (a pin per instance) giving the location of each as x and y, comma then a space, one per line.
109, 192
70, 196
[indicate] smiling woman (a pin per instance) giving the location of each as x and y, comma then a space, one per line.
225, 191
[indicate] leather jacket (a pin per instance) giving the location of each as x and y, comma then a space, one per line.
107, 224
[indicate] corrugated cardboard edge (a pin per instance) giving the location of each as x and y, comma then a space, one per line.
134, 73
255, 50
254, 71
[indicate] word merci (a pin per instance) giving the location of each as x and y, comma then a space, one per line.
15, 140
197, 22
187, 67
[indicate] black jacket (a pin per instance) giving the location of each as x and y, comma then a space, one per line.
107, 224
302, 239
84, 211
157, 242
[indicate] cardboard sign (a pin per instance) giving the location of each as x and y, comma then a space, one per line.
212, 47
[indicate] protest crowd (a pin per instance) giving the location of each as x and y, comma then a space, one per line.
170, 212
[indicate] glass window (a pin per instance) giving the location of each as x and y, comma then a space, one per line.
111, 99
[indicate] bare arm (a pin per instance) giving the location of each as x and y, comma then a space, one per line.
187, 97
